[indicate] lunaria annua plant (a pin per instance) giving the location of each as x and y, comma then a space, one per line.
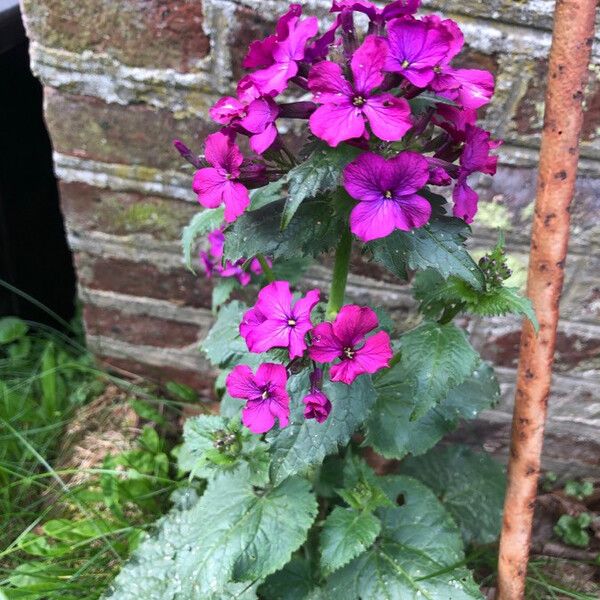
310, 380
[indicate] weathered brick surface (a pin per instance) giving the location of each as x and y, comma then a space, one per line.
123, 78
89, 128
146, 33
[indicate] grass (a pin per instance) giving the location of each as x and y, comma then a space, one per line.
65, 528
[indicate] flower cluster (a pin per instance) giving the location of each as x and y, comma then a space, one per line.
361, 93
277, 320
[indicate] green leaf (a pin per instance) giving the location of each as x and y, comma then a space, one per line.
314, 229
222, 538
318, 175
49, 380
183, 393
11, 329
346, 534
438, 245
435, 294
293, 582
471, 485
435, 358
273, 191
304, 442
573, 530
222, 291
417, 555
223, 345
201, 223
392, 434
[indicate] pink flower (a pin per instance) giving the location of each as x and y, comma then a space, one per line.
277, 56
416, 48
274, 322
267, 398
475, 157
474, 87
386, 191
317, 403
399, 8
219, 183
345, 339
345, 106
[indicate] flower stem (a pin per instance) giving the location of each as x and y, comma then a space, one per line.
340, 275
264, 265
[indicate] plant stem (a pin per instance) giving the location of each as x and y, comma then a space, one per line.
264, 265
340, 275
450, 312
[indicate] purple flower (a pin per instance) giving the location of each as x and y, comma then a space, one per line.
345, 106
266, 396
473, 88
475, 157
399, 8
219, 184
386, 191
277, 56
317, 403
416, 48
345, 339
274, 322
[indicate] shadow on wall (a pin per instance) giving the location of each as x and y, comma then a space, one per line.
34, 255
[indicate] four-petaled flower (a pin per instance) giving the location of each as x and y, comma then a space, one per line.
386, 190
277, 322
345, 339
219, 183
318, 405
265, 395
345, 106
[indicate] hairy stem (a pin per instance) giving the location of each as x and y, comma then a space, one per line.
340, 275
264, 265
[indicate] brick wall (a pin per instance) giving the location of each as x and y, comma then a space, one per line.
124, 77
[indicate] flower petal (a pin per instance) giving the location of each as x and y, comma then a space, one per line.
367, 64
407, 173
465, 200
209, 184
388, 116
325, 346
236, 199
375, 354
335, 123
274, 300
353, 323
240, 383
271, 333
373, 220
257, 416
362, 177
272, 373
345, 372
327, 83
303, 307
221, 151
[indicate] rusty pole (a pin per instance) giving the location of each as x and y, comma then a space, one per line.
572, 40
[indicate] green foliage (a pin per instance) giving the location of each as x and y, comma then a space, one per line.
574, 530
470, 485
223, 345
395, 404
11, 330
305, 443
201, 224
438, 245
214, 445
346, 534
434, 358
418, 553
579, 489
314, 229
196, 552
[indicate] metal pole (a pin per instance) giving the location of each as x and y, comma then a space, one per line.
572, 41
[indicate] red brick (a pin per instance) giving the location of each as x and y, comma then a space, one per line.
87, 208
145, 33
136, 134
139, 329
142, 278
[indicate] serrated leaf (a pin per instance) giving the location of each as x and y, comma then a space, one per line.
392, 434
196, 552
319, 174
501, 301
223, 345
201, 223
346, 534
273, 191
471, 485
439, 245
435, 358
304, 442
222, 291
294, 582
416, 555
314, 229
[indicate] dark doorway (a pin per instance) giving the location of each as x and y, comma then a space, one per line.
34, 255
